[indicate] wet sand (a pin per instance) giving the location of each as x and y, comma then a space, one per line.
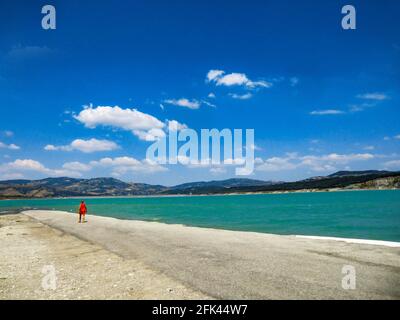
193, 262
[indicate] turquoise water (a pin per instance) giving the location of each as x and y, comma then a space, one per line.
355, 214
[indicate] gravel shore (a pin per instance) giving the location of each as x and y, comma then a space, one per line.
109, 258
83, 270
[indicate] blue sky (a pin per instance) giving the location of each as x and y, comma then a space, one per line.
319, 98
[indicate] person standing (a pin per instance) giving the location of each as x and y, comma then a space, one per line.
82, 212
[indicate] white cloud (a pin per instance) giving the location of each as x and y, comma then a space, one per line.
151, 135
220, 78
393, 164
123, 165
174, 125
254, 147
211, 95
127, 119
86, 146
28, 165
11, 146
326, 112
93, 145
208, 104
373, 96
276, 164
232, 79
51, 147
397, 137
214, 74
316, 163
340, 158
183, 102
77, 166
8, 133
245, 96
218, 170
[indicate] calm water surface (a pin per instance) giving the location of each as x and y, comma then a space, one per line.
354, 214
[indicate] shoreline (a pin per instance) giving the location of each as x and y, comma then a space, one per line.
227, 264
301, 191
391, 244
388, 243
373, 242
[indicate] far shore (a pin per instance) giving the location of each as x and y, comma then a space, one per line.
180, 262
209, 195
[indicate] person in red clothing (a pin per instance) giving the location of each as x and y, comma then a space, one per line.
82, 212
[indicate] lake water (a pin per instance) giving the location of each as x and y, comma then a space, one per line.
354, 214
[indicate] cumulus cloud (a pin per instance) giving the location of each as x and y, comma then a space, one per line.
86, 146
27, 164
326, 112
118, 166
174, 125
316, 163
21, 166
11, 146
220, 78
150, 135
276, 164
123, 165
143, 125
77, 166
214, 74
183, 102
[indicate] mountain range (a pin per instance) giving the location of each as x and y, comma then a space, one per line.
71, 187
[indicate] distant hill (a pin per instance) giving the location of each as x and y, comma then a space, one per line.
70, 187
338, 180
229, 183
358, 173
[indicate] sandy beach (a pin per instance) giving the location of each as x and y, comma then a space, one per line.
108, 258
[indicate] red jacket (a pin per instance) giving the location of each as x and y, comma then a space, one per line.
82, 209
